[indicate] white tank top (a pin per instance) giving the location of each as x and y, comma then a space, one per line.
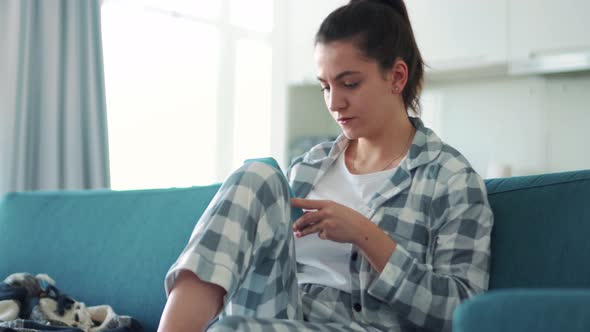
326, 262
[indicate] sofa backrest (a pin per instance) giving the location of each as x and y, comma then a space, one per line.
541, 234
115, 247
102, 247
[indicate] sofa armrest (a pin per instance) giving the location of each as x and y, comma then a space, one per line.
537, 310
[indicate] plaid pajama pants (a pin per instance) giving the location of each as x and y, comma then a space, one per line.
244, 243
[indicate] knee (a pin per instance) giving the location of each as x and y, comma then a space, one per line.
263, 169
265, 176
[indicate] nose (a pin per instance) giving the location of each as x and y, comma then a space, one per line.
335, 101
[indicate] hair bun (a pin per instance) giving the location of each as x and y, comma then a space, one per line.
398, 5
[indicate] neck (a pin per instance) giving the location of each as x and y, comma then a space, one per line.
383, 150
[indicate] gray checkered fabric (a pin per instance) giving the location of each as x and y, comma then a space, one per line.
434, 207
244, 243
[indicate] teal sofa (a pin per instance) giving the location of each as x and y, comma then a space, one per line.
114, 247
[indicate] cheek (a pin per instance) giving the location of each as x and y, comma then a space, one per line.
368, 93
364, 101
375, 100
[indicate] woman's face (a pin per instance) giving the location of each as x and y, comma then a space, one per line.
358, 95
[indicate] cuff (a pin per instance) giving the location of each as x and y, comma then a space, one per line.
385, 286
204, 269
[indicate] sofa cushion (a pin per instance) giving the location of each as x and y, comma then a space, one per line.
102, 247
517, 310
541, 227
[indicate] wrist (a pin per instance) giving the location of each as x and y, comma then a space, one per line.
364, 233
375, 245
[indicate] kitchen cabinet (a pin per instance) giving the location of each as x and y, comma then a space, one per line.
453, 35
544, 27
460, 34
303, 21
466, 38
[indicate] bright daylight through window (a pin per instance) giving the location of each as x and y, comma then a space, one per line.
171, 99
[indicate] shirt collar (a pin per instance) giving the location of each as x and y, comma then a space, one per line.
426, 146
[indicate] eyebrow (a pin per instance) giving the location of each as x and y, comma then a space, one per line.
341, 75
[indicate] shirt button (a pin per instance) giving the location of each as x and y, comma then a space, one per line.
357, 307
354, 256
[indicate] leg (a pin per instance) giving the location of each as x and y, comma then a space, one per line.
191, 305
251, 324
324, 309
244, 244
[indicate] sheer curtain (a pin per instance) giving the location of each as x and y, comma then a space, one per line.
53, 117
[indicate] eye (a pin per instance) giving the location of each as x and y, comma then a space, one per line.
325, 88
351, 85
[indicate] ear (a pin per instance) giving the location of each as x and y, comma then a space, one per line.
399, 76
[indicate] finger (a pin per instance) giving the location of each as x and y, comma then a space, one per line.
301, 221
308, 219
310, 204
315, 228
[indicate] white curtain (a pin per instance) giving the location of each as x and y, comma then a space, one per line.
53, 128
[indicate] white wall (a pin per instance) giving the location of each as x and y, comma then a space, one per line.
568, 105
533, 124
500, 121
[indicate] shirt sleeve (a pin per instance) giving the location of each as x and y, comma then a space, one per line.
427, 294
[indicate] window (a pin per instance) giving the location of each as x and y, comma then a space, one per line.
188, 88
252, 108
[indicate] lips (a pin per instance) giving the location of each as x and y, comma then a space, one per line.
344, 120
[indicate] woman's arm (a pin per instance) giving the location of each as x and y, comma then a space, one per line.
375, 245
427, 294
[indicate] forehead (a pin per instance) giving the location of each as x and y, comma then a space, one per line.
336, 57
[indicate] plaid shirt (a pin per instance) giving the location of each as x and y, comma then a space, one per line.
435, 208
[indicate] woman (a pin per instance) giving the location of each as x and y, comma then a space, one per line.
402, 220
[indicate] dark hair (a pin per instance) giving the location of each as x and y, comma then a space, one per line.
381, 29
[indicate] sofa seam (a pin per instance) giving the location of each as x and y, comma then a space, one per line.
538, 186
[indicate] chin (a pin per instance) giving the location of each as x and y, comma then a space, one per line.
350, 134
